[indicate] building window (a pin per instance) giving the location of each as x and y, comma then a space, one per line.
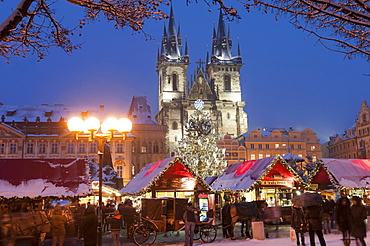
299, 146
277, 146
13, 148
267, 146
93, 148
70, 148
300, 155
255, 136
174, 82
364, 118
155, 148
133, 149
29, 149
314, 158
42, 148
268, 155
54, 148
292, 146
2, 148
260, 156
276, 136
174, 125
119, 148
260, 146
253, 156
227, 82
313, 148
228, 116
252, 146
119, 171
284, 146
143, 148
81, 148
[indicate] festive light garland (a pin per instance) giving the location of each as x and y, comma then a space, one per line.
149, 186
332, 179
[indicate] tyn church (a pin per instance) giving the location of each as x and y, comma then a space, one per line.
218, 85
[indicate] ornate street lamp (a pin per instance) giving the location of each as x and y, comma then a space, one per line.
92, 128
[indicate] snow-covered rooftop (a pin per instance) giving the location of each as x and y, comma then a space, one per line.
140, 112
44, 177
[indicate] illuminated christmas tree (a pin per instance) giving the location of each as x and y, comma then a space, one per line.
199, 146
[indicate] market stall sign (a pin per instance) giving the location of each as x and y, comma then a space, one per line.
276, 182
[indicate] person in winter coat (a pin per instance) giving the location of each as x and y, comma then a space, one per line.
298, 223
190, 219
313, 218
358, 216
343, 216
58, 228
129, 214
115, 223
89, 227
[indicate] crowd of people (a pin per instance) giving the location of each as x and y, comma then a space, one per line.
349, 217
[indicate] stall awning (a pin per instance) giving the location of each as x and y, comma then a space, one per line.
153, 173
44, 177
344, 173
244, 176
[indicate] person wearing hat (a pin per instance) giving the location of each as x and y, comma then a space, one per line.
357, 219
115, 222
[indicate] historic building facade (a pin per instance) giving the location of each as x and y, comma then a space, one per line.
40, 131
149, 144
261, 143
218, 85
354, 143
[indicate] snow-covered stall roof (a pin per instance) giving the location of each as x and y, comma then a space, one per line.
346, 173
290, 156
244, 176
151, 173
44, 177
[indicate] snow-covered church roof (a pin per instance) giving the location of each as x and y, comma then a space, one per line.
151, 173
44, 177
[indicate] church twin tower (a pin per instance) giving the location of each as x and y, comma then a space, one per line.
218, 85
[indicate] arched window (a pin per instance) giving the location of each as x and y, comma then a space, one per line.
174, 125
227, 82
155, 148
174, 82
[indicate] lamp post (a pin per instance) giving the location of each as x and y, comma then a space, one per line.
92, 128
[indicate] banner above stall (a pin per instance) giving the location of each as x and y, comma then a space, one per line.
271, 172
341, 173
171, 174
44, 177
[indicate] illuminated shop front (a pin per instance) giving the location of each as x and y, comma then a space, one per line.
270, 179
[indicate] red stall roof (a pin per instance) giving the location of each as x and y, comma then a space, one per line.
174, 167
244, 176
44, 177
344, 173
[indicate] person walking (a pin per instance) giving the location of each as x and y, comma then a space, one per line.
313, 218
298, 224
343, 217
58, 228
115, 223
129, 214
328, 210
190, 219
358, 216
89, 227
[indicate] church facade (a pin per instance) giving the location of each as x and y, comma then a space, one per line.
217, 84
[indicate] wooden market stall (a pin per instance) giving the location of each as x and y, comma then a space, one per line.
165, 187
342, 176
270, 179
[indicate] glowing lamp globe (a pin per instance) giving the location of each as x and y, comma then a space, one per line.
75, 124
109, 125
92, 124
124, 125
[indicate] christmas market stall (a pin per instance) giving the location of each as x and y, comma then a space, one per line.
31, 188
270, 179
342, 176
165, 187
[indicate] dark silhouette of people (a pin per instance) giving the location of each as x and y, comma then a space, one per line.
298, 223
313, 218
358, 216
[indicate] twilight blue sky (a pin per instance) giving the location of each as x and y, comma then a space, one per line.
288, 80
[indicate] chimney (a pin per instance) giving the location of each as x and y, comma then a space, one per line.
102, 107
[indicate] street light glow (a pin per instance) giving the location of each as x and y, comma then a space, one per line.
76, 124
109, 125
92, 124
124, 125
